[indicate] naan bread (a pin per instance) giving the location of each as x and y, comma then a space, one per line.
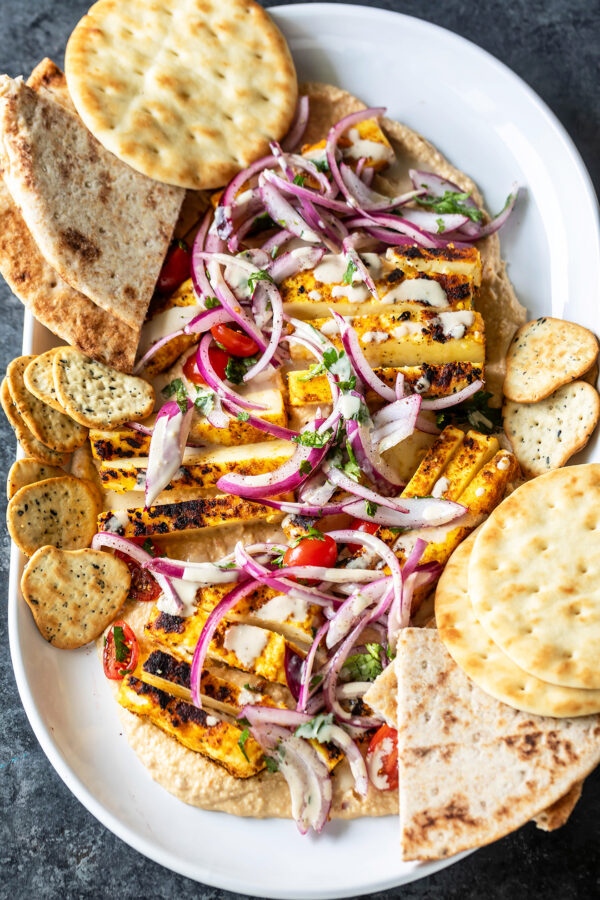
103, 227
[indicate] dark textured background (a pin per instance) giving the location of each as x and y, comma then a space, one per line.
50, 846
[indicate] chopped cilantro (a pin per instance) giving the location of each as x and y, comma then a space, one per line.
299, 180
440, 225
312, 438
312, 533
475, 412
177, 388
261, 275
237, 366
314, 370
271, 764
397, 529
250, 687
204, 400
451, 202
211, 302
305, 467
121, 649
243, 416
321, 164
311, 729
242, 741
364, 666
351, 468
315, 681
349, 273
147, 546
370, 507
229, 565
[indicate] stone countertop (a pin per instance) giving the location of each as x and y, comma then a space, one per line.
50, 846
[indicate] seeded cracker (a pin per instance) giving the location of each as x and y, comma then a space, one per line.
26, 439
185, 91
54, 429
97, 395
485, 663
39, 379
544, 435
544, 355
74, 595
28, 471
534, 576
59, 511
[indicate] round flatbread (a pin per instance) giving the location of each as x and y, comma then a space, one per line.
534, 576
187, 93
485, 663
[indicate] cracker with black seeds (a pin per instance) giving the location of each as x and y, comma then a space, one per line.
39, 379
544, 355
74, 594
59, 511
544, 435
54, 429
97, 395
29, 443
28, 471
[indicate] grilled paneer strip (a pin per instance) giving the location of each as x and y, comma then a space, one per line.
292, 617
430, 381
189, 516
201, 468
171, 316
366, 140
195, 728
244, 647
446, 261
411, 339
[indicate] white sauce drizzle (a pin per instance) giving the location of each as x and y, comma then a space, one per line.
315, 295
418, 290
374, 337
246, 641
354, 293
406, 328
117, 521
332, 268
360, 147
441, 485
349, 406
454, 324
283, 608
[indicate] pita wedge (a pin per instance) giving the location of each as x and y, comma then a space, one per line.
473, 769
65, 312
82, 205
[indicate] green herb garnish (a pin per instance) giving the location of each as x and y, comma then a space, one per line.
122, 651
271, 764
351, 268
243, 416
147, 546
364, 666
299, 180
370, 507
242, 741
351, 468
237, 366
211, 302
310, 730
451, 202
321, 164
204, 400
475, 412
312, 533
176, 388
312, 438
305, 467
261, 275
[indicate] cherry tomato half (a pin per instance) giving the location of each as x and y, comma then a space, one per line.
121, 651
218, 360
312, 552
176, 268
382, 759
236, 342
365, 527
143, 585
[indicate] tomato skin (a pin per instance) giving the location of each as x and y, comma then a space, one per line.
236, 342
143, 586
114, 669
365, 527
218, 360
383, 767
312, 552
175, 269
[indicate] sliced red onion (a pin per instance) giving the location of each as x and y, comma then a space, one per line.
298, 126
423, 512
284, 214
200, 280
304, 193
345, 483
435, 223
142, 429
336, 132
362, 198
273, 715
208, 373
370, 460
268, 356
230, 302
381, 234
272, 579
307, 509
424, 425
284, 479
306, 678
403, 226
307, 165
195, 572
293, 663
399, 613
316, 490
228, 198
273, 244
347, 616
276, 431
453, 399
214, 414
349, 248
436, 185
141, 363
353, 689
205, 320
399, 387
355, 353
114, 542
294, 261
210, 626
167, 447
358, 768
330, 575
406, 412
499, 220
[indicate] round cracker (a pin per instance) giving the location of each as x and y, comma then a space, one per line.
534, 576
544, 435
97, 395
74, 595
59, 511
544, 355
39, 379
188, 92
28, 471
485, 663
30, 444
54, 429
